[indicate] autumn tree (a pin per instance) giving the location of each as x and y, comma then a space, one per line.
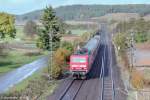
52, 29
30, 29
7, 27
61, 58
59, 62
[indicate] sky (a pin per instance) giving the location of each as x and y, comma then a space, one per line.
24, 6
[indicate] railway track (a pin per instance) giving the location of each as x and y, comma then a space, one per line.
107, 91
80, 89
99, 86
71, 90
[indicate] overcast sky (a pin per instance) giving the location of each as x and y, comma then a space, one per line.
23, 6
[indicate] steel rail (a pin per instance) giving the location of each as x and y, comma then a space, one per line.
112, 79
78, 90
102, 75
109, 49
66, 89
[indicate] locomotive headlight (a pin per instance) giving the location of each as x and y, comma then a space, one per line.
74, 66
82, 65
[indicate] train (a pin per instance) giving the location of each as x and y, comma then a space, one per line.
82, 59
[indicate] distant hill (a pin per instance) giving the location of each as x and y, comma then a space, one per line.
117, 17
35, 15
83, 12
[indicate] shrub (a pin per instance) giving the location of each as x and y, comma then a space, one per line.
137, 79
86, 36
59, 62
67, 46
60, 56
121, 41
141, 37
56, 71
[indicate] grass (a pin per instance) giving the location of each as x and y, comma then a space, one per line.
23, 84
15, 59
20, 37
147, 74
19, 33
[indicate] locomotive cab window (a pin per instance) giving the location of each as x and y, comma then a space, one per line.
81, 60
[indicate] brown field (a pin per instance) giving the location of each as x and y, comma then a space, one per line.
147, 17
117, 17
80, 22
143, 46
70, 38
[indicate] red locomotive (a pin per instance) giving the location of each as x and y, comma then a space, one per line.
81, 61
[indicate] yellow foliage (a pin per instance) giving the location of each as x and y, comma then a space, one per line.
60, 56
85, 36
56, 71
59, 62
137, 79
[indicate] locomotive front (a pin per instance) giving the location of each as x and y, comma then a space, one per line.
81, 61
79, 65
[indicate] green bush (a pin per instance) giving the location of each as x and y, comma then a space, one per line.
56, 70
120, 40
141, 37
67, 45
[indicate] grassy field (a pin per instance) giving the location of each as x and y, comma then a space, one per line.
14, 59
20, 37
146, 73
79, 31
19, 33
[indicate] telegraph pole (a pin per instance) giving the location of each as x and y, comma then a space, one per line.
51, 55
131, 56
132, 50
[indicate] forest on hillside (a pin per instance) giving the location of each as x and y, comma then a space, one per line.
82, 12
